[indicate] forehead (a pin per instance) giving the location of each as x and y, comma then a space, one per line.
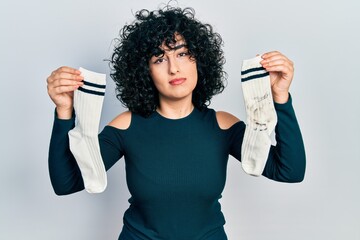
178, 42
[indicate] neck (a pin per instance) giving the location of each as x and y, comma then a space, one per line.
175, 110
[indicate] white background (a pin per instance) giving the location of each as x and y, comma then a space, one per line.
321, 37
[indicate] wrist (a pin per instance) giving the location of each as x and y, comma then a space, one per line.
64, 113
281, 98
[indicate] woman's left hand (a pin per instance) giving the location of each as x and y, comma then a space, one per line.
281, 70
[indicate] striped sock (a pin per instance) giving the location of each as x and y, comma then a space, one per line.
84, 143
261, 116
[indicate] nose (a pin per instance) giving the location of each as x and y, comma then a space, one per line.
173, 66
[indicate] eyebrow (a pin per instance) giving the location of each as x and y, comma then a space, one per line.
176, 47
179, 46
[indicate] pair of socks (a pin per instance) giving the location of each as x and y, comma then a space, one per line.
261, 116
84, 142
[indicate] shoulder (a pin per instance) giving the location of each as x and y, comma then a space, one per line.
122, 121
225, 120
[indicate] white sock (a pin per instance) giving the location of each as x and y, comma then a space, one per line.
261, 116
84, 143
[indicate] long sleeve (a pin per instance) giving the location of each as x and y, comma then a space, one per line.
64, 172
286, 161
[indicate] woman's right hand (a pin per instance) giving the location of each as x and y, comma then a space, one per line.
61, 85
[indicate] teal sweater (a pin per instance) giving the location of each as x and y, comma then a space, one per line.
176, 169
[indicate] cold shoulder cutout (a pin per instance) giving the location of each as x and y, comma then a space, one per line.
122, 121
226, 120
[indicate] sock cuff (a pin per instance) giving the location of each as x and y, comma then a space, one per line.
94, 83
252, 69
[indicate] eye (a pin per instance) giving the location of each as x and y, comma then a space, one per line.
159, 60
183, 54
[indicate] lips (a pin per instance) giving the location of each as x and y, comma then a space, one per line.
177, 81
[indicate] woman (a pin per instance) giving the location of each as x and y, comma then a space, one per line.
167, 66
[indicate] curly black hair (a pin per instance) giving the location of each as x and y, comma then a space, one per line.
142, 39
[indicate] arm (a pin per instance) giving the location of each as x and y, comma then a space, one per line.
65, 175
64, 172
286, 161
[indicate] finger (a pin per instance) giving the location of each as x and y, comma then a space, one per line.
65, 82
281, 68
68, 70
65, 69
66, 76
273, 56
70, 76
64, 89
65, 72
277, 61
270, 54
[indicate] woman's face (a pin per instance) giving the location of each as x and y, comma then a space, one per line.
174, 73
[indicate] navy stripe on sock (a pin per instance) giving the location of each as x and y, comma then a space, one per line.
94, 84
254, 76
91, 91
252, 70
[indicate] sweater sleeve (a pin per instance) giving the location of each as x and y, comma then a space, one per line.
65, 175
286, 161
